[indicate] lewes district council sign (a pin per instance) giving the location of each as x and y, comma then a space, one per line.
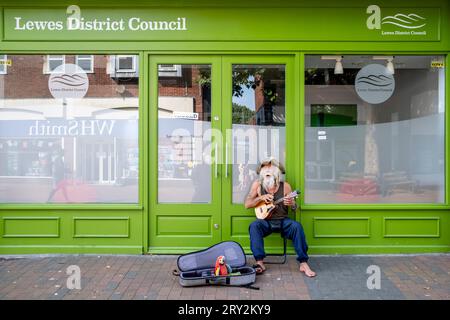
357, 23
374, 84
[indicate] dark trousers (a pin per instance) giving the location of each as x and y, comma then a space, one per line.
291, 229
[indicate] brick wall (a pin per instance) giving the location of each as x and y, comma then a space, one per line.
26, 78
185, 86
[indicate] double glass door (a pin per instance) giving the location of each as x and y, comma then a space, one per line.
212, 120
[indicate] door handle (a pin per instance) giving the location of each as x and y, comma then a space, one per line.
215, 161
226, 160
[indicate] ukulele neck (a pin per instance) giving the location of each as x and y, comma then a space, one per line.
282, 199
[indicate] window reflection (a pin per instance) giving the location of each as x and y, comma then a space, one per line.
73, 148
258, 117
361, 152
184, 133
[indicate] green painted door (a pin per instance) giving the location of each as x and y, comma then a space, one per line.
257, 99
185, 150
212, 119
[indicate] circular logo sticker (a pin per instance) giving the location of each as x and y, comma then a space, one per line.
374, 84
68, 81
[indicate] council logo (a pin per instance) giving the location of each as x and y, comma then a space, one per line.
68, 81
410, 21
374, 84
398, 24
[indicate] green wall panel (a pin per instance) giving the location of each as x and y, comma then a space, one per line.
70, 231
30, 227
335, 227
239, 225
405, 227
183, 225
409, 231
101, 227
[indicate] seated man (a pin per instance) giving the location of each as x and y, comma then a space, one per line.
269, 188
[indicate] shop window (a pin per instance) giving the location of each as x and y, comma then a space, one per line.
68, 146
52, 62
374, 129
258, 121
3, 64
184, 128
326, 115
85, 62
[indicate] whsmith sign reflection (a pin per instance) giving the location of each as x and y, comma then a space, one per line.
58, 127
199, 24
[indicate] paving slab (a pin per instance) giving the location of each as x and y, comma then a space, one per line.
149, 277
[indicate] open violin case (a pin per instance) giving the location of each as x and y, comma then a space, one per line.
197, 268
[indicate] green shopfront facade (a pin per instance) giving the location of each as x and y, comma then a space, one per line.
137, 128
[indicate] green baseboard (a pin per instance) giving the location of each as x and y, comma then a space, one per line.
70, 250
313, 250
390, 249
326, 250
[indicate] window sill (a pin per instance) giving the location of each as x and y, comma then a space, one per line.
373, 207
71, 206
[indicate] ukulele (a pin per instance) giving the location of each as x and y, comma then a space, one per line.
264, 210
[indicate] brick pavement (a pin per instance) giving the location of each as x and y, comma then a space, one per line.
149, 277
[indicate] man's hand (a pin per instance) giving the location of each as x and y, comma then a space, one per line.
288, 202
267, 198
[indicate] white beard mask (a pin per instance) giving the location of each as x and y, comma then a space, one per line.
269, 182
270, 177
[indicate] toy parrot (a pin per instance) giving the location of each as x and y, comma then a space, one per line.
221, 268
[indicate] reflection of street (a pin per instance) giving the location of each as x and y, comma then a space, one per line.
323, 196
201, 179
243, 177
181, 189
183, 175
69, 149
58, 174
68, 190
38, 190
184, 182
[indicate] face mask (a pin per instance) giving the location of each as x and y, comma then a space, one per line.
269, 176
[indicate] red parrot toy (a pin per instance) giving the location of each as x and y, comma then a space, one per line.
221, 268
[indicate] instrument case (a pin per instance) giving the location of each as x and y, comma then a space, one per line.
197, 268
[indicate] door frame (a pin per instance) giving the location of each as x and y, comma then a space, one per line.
207, 214
221, 210
237, 230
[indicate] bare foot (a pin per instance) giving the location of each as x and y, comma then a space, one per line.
307, 270
261, 263
259, 267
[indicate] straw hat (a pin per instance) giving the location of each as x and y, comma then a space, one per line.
271, 161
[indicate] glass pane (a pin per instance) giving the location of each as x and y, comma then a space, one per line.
258, 117
67, 137
125, 63
3, 62
85, 63
53, 64
375, 132
184, 136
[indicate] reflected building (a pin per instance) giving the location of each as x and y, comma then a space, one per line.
96, 136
